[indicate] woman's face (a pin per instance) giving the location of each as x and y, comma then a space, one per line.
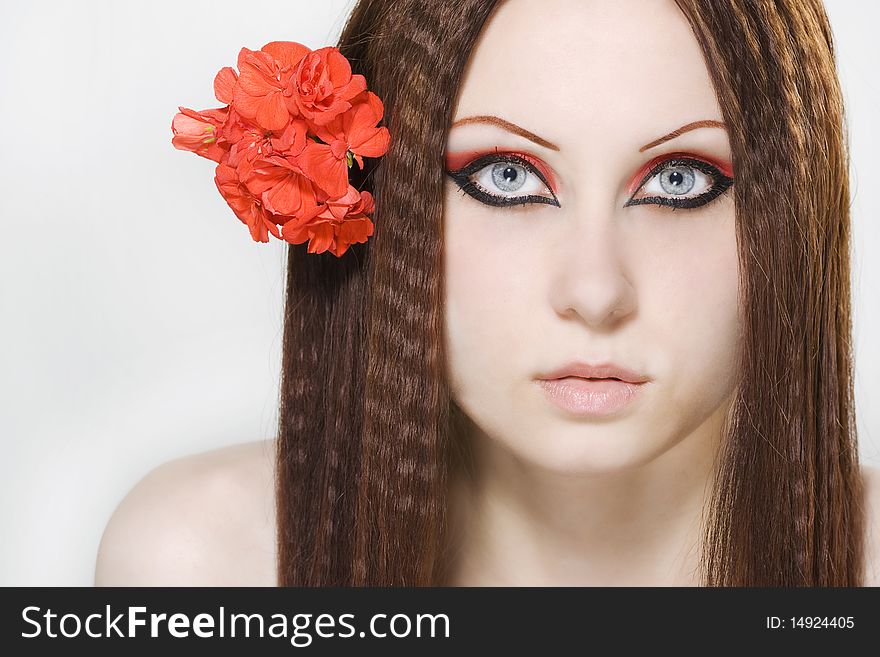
591, 264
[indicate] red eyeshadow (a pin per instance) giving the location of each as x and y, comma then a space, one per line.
459, 160
723, 166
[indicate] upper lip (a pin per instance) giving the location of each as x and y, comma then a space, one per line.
597, 371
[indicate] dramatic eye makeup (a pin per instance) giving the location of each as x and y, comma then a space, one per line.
679, 180
502, 178
507, 178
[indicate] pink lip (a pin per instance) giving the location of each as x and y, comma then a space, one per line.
591, 390
590, 396
600, 371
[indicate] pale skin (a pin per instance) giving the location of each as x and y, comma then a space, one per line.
556, 501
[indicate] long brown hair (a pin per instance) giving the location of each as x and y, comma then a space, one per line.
366, 434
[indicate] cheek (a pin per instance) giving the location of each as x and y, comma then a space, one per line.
694, 307
488, 295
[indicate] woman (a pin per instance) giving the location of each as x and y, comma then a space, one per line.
650, 195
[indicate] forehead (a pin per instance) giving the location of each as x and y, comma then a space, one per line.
589, 73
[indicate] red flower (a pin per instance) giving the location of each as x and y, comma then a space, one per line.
355, 131
248, 209
263, 76
322, 86
295, 121
339, 224
198, 132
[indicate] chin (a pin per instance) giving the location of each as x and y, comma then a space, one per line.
585, 450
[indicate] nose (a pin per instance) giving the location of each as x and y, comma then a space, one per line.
590, 281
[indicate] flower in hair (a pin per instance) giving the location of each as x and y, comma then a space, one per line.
295, 121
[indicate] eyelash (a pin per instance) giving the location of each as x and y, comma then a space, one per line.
462, 178
720, 183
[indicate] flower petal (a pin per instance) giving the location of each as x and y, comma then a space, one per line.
338, 68
286, 53
245, 104
355, 231
326, 171
374, 145
293, 139
291, 196
322, 237
224, 83
295, 231
245, 207
272, 112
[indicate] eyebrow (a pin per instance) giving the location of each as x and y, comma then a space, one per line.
705, 123
510, 127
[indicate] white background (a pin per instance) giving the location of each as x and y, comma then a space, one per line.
139, 320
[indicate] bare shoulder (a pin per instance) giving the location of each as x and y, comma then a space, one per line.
871, 479
202, 520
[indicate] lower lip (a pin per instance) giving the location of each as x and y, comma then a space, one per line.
590, 397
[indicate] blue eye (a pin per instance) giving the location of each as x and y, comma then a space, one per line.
504, 176
503, 179
681, 183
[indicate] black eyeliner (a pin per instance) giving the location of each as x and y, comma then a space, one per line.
469, 187
720, 185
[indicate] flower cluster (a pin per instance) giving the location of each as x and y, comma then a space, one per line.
295, 121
